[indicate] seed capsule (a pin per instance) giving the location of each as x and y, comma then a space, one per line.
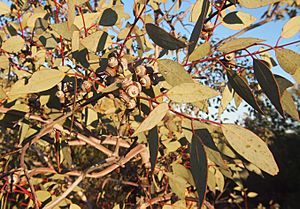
61, 96
131, 104
145, 81
86, 86
133, 90
140, 70
126, 82
125, 97
229, 57
113, 62
124, 63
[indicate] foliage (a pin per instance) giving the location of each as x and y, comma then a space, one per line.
101, 109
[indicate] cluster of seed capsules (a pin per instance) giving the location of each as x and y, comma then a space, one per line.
133, 78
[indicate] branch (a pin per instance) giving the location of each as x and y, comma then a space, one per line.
250, 27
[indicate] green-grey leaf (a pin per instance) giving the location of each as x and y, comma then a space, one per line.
153, 141
173, 72
199, 168
291, 27
238, 20
240, 86
256, 3
251, 147
40, 81
283, 83
108, 18
13, 44
177, 184
200, 52
268, 83
162, 38
198, 27
97, 41
289, 105
238, 43
191, 92
288, 59
155, 116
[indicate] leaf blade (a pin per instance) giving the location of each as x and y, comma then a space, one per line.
199, 168
191, 92
251, 147
241, 87
173, 72
288, 59
162, 38
238, 43
198, 27
268, 83
155, 116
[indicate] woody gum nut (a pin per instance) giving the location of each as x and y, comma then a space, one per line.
131, 104
140, 70
61, 96
86, 86
126, 82
113, 62
133, 90
229, 57
145, 81
124, 63
125, 97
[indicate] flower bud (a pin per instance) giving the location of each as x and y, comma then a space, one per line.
208, 27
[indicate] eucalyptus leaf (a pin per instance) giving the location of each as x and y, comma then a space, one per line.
198, 27
191, 92
288, 59
256, 3
291, 27
289, 105
251, 147
109, 17
238, 43
238, 20
39, 81
173, 72
13, 44
162, 38
200, 52
199, 168
240, 86
155, 116
153, 141
268, 83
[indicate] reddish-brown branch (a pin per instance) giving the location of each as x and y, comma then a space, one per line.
83, 22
